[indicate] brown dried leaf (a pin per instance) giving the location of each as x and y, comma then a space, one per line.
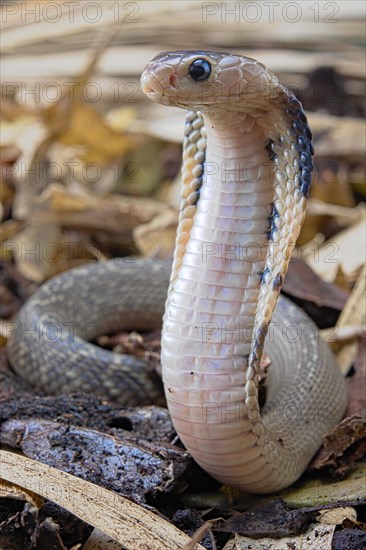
354, 313
302, 282
8, 490
343, 215
357, 383
198, 534
342, 334
101, 144
347, 250
342, 447
8, 230
269, 520
30, 168
157, 238
336, 516
113, 213
57, 238
329, 186
338, 137
351, 523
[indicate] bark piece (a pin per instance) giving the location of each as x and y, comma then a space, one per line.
269, 520
352, 539
151, 423
342, 447
136, 470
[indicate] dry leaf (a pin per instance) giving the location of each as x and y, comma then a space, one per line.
156, 239
354, 313
336, 516
9, 490
100, 541
115, 213
342, 447
347, 250
100, 142
126, 522
301, 282
318, 536
337, 137
357, 383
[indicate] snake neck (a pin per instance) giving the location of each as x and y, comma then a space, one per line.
213, 296
230, 231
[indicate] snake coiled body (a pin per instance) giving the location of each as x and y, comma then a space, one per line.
246, 176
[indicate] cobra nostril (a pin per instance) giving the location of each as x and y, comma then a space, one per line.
174, 81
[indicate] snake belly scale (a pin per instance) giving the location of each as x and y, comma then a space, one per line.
247, 161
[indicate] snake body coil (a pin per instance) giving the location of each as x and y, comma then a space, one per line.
246, 176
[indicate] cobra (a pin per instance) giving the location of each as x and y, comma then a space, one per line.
247, 161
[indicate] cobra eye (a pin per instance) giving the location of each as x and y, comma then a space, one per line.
200, 70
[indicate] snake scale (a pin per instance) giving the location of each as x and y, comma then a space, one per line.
247, 161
